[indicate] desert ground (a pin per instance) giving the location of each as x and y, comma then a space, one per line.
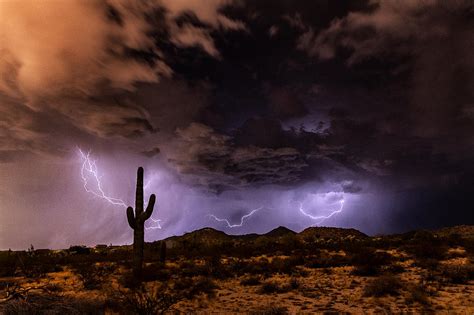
319, 270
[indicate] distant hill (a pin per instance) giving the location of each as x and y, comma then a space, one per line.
461, 231
207, 236
464, 231
210, 236
279, 231
330, 232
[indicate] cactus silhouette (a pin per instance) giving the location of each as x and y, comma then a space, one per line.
137, 223
163, 251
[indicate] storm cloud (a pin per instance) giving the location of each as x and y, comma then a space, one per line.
231, 106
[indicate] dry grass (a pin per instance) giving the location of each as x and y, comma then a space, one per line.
383, 285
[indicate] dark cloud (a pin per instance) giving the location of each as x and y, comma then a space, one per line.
9, 156
152, 152
52, 61
396, 32
217, 163
232, 106
285, 103
351, 187
262, 132
174, 103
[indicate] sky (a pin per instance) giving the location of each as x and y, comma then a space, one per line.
245, 114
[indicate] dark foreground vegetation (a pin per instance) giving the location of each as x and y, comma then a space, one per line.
203, 269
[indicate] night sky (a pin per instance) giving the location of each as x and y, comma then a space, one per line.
246, 115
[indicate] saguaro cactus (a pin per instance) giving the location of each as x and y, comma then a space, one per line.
137, 223
163, 251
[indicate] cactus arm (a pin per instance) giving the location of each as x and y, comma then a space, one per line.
149, 208
139, 193
131, 218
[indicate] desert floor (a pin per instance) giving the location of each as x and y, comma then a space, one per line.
372, 276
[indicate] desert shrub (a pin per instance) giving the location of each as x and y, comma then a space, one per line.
203, 285
53, 287
261, 267
303, 273
91, 275
269, 287
468, 245
128, 280
30, 266
394, 268
6, 284
155, 271
287, 265
325, 260
327, 271
369, 262
425, 245
428, 251
250, 281
15, 307
458, 274
455, 253
309, 239
270, 310
337, 261
79, 250
7, 264
383, 285
431, 275
294, 283
242, 250
263, 244
38, 304
26, 263
384, 242
214, 267
189, 268
39, 270
297, 259
274, 287
454, 239
191, 287
282, 265
236, 266
289, 243
143, 301
182, 283
427, 263
418, 294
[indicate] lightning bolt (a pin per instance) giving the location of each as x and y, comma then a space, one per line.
157, 225
147, 185
322, 218
242, 219
154, 227
89, 171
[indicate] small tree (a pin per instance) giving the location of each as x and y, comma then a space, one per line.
137, 223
